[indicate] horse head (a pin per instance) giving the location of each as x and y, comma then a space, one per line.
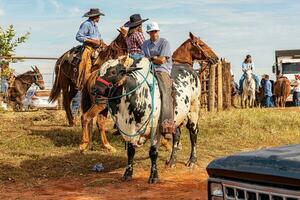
38, 78
194, 49
117, 48
113, 75
248, 74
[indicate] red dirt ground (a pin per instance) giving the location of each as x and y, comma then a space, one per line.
174, 184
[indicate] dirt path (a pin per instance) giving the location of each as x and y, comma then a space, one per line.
177, 183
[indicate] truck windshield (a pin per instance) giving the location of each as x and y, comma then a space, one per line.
291, 68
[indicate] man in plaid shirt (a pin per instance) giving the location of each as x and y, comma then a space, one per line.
135, 37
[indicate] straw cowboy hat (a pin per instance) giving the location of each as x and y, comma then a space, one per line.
93, 13
135, 20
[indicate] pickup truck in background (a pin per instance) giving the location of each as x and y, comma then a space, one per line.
269, 174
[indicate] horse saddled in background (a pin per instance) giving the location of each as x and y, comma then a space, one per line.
249, 89
133, 97
21, 84
282, 90
66, 71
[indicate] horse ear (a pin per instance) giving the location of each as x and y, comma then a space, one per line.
37, 69
123, 31
192, 37
32, 68
126, 61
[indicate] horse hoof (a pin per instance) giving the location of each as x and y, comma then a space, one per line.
110, 148
171, 164
153, 180
126, 178
83, 147
190, 164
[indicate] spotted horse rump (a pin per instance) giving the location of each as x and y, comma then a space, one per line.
132, 95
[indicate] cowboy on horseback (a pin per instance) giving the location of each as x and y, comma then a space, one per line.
158, 50
135, 37
248, 65
89, 35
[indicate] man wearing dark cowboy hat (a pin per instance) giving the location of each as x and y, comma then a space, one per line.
88, 34
135, 37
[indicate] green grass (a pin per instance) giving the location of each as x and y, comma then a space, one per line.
38, 145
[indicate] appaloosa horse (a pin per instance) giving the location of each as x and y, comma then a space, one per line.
65, 80
189, 51
21, 84
249, 89
131, 93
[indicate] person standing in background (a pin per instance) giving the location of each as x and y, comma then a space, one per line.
296, 91
268, 92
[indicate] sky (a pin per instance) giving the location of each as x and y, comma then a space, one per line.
232, 28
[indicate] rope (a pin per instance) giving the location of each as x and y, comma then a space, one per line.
143, 128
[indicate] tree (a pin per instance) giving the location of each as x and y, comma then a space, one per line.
9, 41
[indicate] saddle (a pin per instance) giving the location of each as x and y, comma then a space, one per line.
73, 57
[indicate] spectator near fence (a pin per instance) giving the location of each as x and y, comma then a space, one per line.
296, 91
5, 74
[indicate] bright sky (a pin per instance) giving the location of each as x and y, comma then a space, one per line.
233, 28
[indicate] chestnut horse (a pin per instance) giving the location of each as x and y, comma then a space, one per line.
64, 79
192, 49
282, 89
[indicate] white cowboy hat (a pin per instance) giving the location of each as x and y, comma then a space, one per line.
153, 26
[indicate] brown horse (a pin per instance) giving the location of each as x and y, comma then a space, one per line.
192, 49
282, 89
64, 72
21, 84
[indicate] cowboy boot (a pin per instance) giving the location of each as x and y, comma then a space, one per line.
168, 127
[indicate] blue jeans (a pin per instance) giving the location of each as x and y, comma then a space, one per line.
4, 86
243, 78
268, 102
75, 104
296, 97
136, 56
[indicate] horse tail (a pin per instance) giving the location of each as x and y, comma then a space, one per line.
55, 91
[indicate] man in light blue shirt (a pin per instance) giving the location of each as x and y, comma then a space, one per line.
88, 34
158, 50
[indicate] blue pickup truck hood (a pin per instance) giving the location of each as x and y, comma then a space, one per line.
279, 165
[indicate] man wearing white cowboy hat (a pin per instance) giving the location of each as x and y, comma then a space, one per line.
88, 34
159, 52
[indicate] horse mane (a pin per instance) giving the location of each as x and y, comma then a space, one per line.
25, 74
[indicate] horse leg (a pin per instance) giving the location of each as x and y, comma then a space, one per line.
129, 169
193, 129
72, 94
67, 105
101, 121
153, 153
86, 120
172, 161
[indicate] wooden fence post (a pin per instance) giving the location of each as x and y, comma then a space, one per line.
211, 88
220, 86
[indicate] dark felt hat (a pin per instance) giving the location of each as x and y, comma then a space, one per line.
135, 20
93, 12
